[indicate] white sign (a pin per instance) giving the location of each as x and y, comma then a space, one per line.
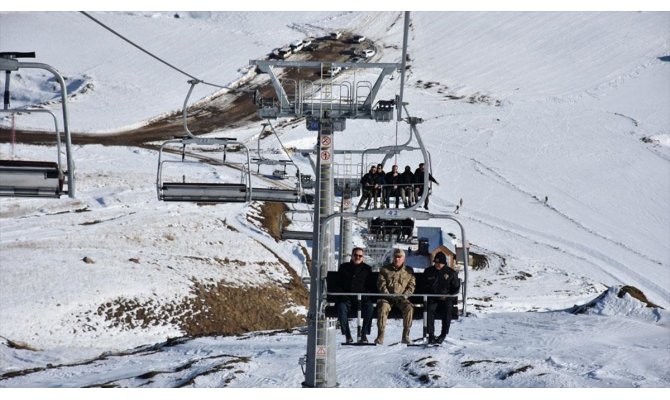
325, 155
321, 352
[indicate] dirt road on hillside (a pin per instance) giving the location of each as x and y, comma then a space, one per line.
227, 110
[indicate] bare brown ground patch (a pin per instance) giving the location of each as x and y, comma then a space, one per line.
228, 109
223, 310
271, 220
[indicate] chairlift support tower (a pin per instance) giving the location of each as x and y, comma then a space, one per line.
326, 114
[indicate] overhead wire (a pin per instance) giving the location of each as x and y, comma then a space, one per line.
149, 53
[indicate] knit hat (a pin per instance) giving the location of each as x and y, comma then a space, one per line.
399, 252
440, 258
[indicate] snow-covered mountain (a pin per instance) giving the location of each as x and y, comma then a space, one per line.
517, 107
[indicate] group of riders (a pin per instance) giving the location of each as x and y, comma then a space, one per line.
396, 281
381, 187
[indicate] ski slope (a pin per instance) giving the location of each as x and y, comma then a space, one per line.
517, 106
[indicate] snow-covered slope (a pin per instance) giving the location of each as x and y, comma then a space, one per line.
516, 107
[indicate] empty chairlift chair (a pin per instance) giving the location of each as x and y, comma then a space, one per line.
196, 176
203, 172
303, 219
30, 178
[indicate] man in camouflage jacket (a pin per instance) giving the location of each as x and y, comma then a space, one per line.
395, 278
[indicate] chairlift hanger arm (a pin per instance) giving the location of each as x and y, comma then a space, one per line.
319, 64
281, 93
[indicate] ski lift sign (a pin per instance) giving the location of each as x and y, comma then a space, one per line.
326, 141
325, 155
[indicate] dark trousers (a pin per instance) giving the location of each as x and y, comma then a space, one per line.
441, 309
419, 192
367, 195
347, 304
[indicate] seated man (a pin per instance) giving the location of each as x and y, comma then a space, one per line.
440, 279
395, 278
353, 276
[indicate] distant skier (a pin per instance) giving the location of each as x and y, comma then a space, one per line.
440, 279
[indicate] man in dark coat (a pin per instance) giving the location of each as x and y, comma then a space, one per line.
354, 277
393, 181
368, 184
418, 178
407, 188
440, 279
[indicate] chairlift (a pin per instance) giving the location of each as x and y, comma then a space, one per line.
199, 167
279, 172
204, 183
299, 218
32, 178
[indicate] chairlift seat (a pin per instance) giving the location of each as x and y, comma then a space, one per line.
281, 195
279, 174
332, 279
20, 178
224, 193
296, 235
205, 192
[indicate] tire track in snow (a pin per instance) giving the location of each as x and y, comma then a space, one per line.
491, 173
588, 254
580, 251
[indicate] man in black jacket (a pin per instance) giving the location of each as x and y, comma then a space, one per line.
407, 189
418, 177
354, 277
440, 279
369, 188
393, 180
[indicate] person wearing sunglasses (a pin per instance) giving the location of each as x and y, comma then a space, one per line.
395, 278
353, 278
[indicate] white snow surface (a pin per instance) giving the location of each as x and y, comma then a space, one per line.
516, 106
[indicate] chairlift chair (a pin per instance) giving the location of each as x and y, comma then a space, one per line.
30, 178
198, 190
294, 234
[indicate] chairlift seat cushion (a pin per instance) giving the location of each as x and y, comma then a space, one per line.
21, 178
206, 192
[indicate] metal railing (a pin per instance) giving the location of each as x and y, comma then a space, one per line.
424, 297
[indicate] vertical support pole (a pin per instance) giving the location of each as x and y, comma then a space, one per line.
403, 65
320, 369
346, 241
6, 96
